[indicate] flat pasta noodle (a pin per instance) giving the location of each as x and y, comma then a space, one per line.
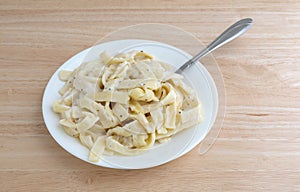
142, 119
97, 149
125, 104
86, 140
112, 96
120, 111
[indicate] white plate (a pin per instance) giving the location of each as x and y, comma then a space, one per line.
179, 145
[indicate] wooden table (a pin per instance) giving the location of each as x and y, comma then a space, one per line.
258, 148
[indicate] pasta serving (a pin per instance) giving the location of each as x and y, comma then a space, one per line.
125, 104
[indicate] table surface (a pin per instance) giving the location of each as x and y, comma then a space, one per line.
258, 148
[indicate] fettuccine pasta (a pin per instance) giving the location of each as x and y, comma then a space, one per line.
125, 104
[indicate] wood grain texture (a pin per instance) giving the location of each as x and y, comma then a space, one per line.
258, 148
